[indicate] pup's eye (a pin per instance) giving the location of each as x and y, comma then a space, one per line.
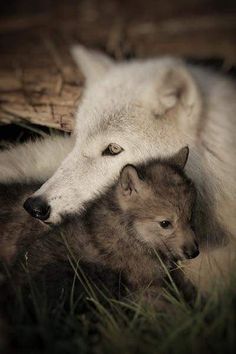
112, 149
165, 224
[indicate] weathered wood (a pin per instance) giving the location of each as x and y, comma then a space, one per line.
40, 86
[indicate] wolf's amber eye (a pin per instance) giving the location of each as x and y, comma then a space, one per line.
165, 224
112, 149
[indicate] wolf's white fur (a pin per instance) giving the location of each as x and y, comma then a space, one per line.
34, 161
150, 108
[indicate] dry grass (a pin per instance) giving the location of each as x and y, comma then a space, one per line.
88, 320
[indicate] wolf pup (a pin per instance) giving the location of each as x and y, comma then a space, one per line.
147, 214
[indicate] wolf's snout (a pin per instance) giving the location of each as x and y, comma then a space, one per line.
191, 252
37, 207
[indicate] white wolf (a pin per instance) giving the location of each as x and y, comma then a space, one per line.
131, 112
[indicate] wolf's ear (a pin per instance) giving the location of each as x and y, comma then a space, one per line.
180, 158
129, 180
176, 89
92, 63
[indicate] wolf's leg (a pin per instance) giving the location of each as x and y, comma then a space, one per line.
34, 161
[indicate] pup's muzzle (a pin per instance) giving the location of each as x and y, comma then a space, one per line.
191, 252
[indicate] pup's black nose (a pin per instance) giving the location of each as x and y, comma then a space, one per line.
191, 253
37, 207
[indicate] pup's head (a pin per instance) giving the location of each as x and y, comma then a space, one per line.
130, 112
158, 201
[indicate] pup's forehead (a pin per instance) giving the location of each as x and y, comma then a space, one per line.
163, 173
170, 184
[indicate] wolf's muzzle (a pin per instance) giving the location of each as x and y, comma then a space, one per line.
37, 207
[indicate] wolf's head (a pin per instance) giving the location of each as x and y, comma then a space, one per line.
158, 202
130, 112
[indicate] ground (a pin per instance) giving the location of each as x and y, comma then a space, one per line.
93, 322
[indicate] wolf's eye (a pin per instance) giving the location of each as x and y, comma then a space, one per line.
165, 224
112, 149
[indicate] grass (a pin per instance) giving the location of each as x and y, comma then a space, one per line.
92, 321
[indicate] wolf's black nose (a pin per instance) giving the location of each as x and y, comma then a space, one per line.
37, 207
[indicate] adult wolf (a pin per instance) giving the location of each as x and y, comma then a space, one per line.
132, 112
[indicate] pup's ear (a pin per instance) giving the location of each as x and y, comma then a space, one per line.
129, 180
92, 63
180, 158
